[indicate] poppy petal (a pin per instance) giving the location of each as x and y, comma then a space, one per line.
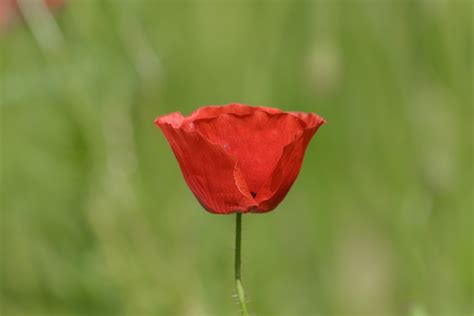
211, 173
285, 173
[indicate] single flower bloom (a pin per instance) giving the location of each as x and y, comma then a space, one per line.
239, 158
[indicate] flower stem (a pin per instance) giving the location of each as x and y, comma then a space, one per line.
238, 281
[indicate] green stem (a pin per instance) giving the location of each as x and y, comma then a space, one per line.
238, 281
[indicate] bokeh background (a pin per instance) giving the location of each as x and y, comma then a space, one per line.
97, 220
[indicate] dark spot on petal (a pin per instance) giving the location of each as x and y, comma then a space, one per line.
254, 194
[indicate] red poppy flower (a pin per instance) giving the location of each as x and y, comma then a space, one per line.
239, 158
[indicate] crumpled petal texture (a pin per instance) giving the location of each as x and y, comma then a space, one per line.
239, 158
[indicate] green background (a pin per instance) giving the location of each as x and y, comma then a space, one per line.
97, 220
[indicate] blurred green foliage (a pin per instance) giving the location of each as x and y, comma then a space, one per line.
96, 219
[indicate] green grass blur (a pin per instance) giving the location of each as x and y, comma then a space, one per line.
97, 220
